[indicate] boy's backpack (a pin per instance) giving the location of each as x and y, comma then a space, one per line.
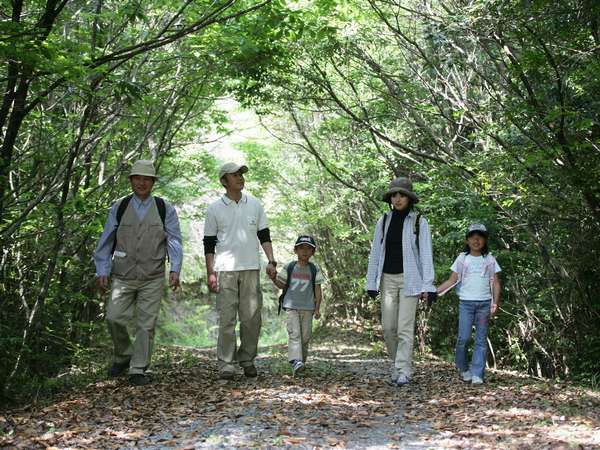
160, 205
290, 269
416, 226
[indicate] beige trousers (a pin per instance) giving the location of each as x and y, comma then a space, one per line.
398, 320
239, 295
129, 299
299, 327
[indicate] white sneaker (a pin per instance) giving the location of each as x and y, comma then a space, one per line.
476, 380
466, 376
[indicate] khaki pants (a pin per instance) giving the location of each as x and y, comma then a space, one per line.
239, 295
299, 327
131, 298
398, 320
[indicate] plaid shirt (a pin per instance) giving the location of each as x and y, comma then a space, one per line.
418, 264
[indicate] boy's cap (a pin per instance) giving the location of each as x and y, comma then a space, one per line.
231, 167
477, 228
308, 240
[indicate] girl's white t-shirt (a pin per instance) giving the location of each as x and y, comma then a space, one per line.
476, 284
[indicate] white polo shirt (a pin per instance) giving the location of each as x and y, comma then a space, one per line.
235, 225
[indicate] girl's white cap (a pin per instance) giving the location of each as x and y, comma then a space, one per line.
477, 228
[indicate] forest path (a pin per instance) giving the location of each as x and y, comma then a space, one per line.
342, 401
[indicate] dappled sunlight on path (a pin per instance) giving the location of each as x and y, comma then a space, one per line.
343, 401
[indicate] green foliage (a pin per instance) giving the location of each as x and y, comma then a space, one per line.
490, 107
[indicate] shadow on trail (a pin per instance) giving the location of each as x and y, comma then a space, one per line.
343, 401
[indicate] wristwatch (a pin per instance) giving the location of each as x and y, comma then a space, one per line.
273, 263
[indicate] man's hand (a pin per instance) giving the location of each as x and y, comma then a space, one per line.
212, 282
174, 280
317, 314
373, 294
102, 281
271, 270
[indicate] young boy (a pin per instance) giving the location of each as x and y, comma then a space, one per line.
301, 299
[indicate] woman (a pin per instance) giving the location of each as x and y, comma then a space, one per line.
401, 266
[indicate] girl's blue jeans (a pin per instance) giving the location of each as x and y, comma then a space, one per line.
472, 313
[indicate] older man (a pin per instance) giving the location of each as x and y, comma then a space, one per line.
235, 225
141, 231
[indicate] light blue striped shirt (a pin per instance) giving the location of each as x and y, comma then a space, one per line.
103, 254
418, 264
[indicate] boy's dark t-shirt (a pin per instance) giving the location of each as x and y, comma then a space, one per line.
300, 294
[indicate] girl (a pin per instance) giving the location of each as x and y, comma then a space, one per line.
401, 266
475, 275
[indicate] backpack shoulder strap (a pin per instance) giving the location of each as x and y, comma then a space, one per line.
289, 269
120, 211
162, 209
384, 218
122, 207
462, 264
313, 274
416, 229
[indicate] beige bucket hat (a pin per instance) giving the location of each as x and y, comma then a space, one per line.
402, 185
143, 167
231, 167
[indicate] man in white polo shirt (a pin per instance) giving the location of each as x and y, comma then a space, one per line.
235, 225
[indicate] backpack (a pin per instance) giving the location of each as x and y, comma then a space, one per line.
416, 227
290, 269
160, 205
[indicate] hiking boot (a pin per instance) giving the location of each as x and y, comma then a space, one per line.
297, 367
402, 380
139, 379
117, 369
250, 371
466, 376
476, 380
226, 375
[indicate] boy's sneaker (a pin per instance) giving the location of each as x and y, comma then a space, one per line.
466, 376
476, 380
297, 367
402, 380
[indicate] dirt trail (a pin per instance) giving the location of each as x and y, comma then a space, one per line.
342, 401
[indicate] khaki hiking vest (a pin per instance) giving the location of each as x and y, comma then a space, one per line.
141, 247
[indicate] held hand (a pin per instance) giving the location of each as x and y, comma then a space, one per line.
212, 282
174, 280
493, 308
102, 282
373, 294
431, 298
271, 271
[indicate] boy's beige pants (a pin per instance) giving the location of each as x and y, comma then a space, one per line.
239, 295
129, 299
299, 327
398, 321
